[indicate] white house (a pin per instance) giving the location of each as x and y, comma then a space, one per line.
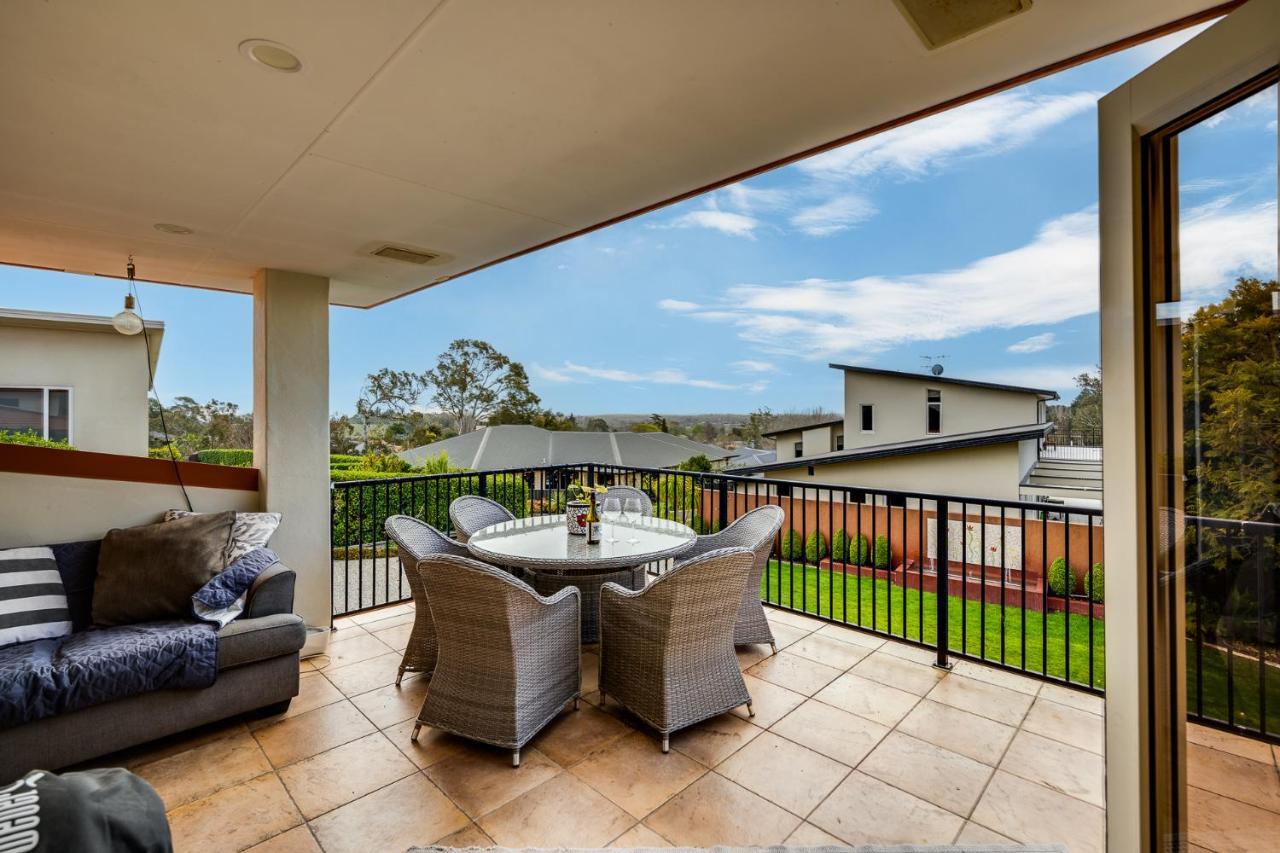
73, 377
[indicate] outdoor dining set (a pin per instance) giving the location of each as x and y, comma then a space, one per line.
504, 608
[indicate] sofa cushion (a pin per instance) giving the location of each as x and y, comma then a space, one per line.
248, 640
251, 531
150, 572
78, 565
33, 604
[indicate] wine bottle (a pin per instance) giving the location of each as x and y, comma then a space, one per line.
593, 521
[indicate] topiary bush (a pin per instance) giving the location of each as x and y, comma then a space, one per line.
1095, 583
1060, 580
840, 546
792, 546
815, 547
863, 555
883, 555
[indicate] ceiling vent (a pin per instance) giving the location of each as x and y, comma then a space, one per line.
409, 256
940, 22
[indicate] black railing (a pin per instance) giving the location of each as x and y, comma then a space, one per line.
1073, 445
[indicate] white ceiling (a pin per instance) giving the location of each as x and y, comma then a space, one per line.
475, 128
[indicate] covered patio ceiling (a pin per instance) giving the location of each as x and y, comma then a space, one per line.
473, 130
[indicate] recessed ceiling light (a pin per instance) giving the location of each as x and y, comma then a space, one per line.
170, 228
270, 54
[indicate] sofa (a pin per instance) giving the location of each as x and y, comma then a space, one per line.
257, 663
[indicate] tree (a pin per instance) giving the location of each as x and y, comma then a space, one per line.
645, 427
197, 426
698, 462
388, 395
757, 424
472, 381
660, 422
341, 435
598, 425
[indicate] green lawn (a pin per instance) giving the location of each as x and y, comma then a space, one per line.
1244, 678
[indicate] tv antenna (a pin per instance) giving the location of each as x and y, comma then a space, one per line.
933, 363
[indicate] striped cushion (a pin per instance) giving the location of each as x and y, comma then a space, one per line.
33, 604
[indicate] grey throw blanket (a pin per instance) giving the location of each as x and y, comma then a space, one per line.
48, 677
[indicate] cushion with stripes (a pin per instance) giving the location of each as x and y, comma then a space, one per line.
33, 603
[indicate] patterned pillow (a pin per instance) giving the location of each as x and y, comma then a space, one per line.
33, 604
251, 530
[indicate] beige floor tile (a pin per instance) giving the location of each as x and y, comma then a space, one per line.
1231, 776
864, 810
314, 691
1254, 750
974, 833
574, 735
480, 779
172, 745
899, 672
942, 777
561, 812
823, 649
306, 665
356, 678
871, 699
634, 773
769, 702
394, 636
998, 677
234, 818
389, 622
793, 619
319, 663
297, 840
749, 656
381, 613
469, 836
906, 651
714, 740
1077, 699
986, 700
405, 813
346, 650
851, 635
795, 673
590, 672
1057, 766
959, 731
323, 782
715, 811
784, 773
1031, 813
345, 623
808, 835
1066, 724
1229, 826
386, 706
312, 733
784, 635
432, 745
639, 836
204, 770
831, 731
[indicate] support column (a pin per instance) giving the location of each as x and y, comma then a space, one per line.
291, 429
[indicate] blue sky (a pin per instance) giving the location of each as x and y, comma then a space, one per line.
970, 235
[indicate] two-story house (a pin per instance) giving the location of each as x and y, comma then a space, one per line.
925, 432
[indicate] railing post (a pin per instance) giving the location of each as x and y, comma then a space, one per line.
722, 496
942, 596
591, 473
484, 484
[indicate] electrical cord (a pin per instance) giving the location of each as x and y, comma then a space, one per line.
151, 380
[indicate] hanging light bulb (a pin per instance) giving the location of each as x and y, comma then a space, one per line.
127, 322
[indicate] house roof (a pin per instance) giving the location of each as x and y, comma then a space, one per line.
802, 427
750, 457
12, 317
932, 444
444, 127
522, 446
929, 378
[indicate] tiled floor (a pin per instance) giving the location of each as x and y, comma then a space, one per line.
855, 740
1233, 792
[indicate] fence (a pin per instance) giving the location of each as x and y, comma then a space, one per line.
1073, 446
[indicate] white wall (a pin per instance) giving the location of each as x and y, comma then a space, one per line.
107, 374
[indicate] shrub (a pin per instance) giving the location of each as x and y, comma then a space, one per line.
1060, 580
815, 547
840, 547
30, 439
343, 458
1095, 583
792, 546
167, 452
387, 462
883, 554
238, 457
863, 555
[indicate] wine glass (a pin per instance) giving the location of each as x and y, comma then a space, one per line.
632, 511
611, 510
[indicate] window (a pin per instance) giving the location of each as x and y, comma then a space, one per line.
799, 448
933, 412
839, 443
43, 411
868, 412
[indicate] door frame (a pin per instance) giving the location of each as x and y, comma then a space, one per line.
1142, 707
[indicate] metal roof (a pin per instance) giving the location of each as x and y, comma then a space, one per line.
802, 427
522, 446
945, 380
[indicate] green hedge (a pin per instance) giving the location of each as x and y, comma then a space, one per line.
1060, 580
843, 549
792, 546
883, 554
815, 547
30, 439
1095, 583
238, 457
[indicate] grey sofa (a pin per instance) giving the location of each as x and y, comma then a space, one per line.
257, 669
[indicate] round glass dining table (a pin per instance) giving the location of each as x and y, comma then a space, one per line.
552, 558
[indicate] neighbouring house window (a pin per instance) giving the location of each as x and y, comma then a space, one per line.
933, 412
868, 417
799, 448
839, 442
43, 411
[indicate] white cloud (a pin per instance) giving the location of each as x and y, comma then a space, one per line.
1035, 343
834, 215
550, 374
724, 221
677, 305
989, 126
1217, 243
665, 376
751, 365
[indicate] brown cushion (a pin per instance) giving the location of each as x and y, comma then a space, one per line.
151, 572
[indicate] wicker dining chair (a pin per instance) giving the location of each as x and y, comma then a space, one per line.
417, 541
509, 658
622, 493
471, 513
755, 531
666, 651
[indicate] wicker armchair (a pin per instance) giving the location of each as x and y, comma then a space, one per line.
622, 493
666, 651
509, 658
754, 531
470, 513
418, 541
